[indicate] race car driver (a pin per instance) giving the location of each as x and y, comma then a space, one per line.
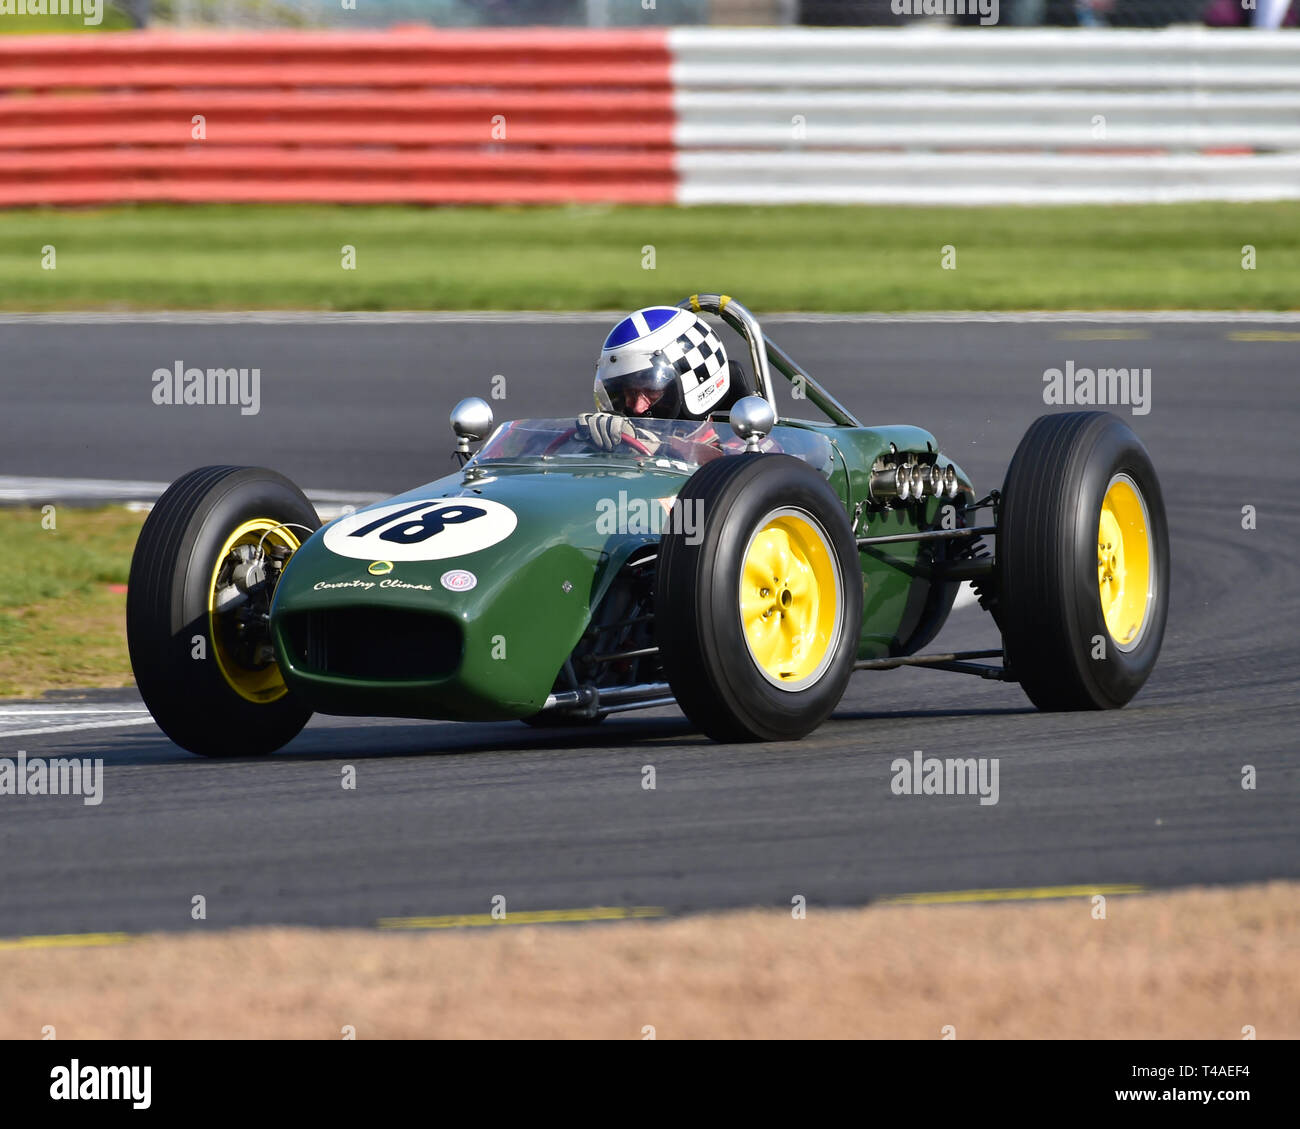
661, 362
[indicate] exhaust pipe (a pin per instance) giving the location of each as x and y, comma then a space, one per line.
911, 483
890, 484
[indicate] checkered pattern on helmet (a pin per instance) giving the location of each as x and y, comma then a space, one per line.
697, 351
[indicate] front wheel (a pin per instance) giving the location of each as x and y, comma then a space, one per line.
198, 609
758, 602
1083, 563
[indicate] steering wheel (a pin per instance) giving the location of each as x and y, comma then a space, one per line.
564, 436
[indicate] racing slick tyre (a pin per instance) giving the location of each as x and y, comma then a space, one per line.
758, 621
1083, 563
197, 609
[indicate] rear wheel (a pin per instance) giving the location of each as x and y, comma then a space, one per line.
1083, 562
758, 620
197, 609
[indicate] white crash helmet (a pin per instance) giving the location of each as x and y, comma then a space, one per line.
669, 354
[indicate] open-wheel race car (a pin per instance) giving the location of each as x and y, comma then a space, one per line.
743, 571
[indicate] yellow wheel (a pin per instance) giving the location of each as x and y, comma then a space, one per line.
198, 604
758, 611
1082, 574
1124, 576
790, 593
247, 665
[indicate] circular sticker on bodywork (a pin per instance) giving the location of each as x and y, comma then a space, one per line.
431, 530
458, 580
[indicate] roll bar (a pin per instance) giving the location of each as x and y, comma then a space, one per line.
765, 354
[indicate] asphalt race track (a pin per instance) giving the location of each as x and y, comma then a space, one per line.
444, 817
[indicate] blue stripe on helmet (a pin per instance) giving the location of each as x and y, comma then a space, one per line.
653, 317
657, 316
622, 333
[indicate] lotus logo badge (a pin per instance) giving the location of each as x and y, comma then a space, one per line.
379, 568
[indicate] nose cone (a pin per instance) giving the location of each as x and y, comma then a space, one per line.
396, 624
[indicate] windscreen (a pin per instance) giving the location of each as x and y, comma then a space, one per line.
681, 444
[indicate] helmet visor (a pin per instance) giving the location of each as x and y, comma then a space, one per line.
654, 391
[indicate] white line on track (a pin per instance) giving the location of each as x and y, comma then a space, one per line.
530, 317
5, 734
18, 489
38, 720
13, 489
43, 711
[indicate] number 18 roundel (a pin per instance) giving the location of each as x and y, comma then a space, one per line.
430, 530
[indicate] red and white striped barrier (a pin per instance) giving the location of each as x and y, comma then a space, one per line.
933, 115
429, 117
687, 115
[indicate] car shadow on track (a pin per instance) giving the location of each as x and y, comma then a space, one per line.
910, 715
395, 739
379, 739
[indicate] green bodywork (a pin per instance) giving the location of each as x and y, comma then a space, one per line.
536, 589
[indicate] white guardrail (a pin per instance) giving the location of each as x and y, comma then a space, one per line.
935, 115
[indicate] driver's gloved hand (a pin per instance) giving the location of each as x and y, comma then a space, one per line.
605, 428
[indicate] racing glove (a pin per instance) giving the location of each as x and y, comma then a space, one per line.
604, 428
607, 429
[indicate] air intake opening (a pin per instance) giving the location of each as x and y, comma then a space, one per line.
378, 644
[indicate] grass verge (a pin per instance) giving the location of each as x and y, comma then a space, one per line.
1198, 964
775, 258
63, 598
110, 18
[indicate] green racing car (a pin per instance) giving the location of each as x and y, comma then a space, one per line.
685, 544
